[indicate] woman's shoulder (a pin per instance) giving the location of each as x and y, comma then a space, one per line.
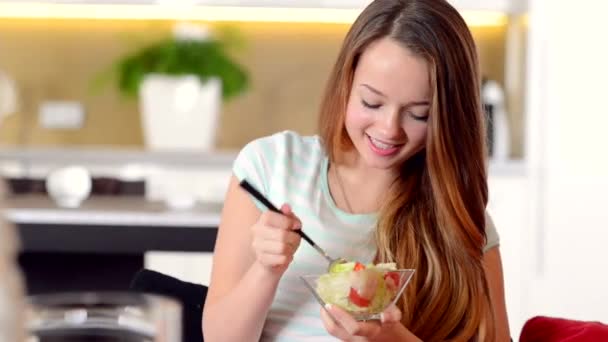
279, 158
492, 237
286, 145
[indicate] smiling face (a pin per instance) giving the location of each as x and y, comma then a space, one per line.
388, 107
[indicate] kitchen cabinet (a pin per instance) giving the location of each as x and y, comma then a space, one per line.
476, 13
102, 244
507, 6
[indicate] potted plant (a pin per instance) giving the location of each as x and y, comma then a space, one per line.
181, 83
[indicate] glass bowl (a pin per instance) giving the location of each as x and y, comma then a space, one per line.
339, 289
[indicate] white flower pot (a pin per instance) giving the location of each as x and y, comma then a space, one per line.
180, 112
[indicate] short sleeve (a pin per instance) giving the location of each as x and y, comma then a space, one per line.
249, 165
492, 238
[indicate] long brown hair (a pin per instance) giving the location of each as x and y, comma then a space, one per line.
434, 218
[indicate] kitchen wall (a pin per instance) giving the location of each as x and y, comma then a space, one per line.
289, 64
568, 164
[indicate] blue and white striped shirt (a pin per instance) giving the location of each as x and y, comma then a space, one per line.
289, 168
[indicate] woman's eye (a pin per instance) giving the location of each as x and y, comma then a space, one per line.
370, 105
423, 118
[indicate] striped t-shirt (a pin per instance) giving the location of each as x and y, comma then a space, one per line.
289, 168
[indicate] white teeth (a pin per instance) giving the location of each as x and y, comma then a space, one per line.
381, 145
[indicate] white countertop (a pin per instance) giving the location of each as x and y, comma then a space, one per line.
111, 211
117, 156
36, 162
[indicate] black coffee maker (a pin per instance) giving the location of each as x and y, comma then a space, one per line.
493, 100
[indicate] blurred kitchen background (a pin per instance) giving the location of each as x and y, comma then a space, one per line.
87, 179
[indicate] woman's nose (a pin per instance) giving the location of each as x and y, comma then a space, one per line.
390, 125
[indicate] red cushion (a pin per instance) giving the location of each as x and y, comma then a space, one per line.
550, 329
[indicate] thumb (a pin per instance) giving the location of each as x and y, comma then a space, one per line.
392, 314
286, 209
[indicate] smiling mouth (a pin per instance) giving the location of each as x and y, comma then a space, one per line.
383, 148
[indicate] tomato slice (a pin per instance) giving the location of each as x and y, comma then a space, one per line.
393, 276
354, 298
359, 266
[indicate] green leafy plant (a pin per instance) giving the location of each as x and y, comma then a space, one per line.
178, 57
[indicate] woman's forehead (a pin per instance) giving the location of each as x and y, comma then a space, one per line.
393, 70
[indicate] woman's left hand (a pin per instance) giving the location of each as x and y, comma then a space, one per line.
346, 328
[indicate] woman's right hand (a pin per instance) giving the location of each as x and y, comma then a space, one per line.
275, 240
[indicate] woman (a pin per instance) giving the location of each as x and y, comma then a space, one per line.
398, 174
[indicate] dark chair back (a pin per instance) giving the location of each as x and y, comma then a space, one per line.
192, 297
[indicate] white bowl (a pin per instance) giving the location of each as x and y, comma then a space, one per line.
69, 186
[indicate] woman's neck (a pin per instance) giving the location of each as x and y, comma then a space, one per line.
357, 188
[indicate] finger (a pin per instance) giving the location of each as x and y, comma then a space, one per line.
352, 326
277, 234
333, 327
274, 259
277, 220
273, 247
392, 314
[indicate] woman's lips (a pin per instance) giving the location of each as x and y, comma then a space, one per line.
382, 148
